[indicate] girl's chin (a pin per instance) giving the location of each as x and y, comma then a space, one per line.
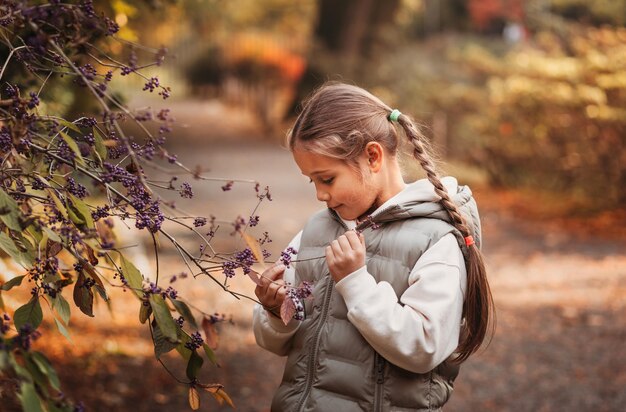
345, 215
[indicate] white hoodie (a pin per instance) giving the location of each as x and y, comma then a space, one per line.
416, 335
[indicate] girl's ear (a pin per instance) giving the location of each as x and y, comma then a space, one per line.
374, 156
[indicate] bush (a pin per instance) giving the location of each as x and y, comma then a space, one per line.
65, 181
552, 115
548, 114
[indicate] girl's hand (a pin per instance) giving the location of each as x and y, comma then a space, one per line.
345, 254
271, 292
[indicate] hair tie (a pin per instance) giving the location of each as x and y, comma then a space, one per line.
469, 240
394, 115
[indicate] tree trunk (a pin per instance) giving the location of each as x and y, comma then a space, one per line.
346, 31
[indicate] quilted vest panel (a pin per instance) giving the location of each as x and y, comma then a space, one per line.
331, 367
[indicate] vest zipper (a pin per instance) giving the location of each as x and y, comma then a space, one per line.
313, 352
379, 363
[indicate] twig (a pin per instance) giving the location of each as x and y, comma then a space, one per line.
9, 59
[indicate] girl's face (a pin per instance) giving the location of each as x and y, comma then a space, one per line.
349, 193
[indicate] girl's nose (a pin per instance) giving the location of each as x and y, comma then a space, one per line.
322, 195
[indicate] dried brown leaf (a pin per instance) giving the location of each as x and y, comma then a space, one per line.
194, 398
255, 247
287, 310
212, 337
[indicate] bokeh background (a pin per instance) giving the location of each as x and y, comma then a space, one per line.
525, 101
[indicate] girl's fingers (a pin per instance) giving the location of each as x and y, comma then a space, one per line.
356, 240
274, 273
271, 282
330, 255
274, 287
336, 247
344, 243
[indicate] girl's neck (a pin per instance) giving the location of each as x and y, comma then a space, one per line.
389, 184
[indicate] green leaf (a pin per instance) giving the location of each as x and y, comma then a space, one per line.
69, 125
33, 370
210, 354
30, 313
75, 216
132, 275
185, 312
36, 235
101, 149
181, 348
58, 203
194, 365
62, 329
25, 247
161, 344
51, 234
82, 209
29, 399
83, 296
7, 244
62, 307
16, 281
72, 144
44, 366
164, 318
10, 211
99, 286
144, 312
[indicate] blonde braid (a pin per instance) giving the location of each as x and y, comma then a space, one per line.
420, 153
478, 306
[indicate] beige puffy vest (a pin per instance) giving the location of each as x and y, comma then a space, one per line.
330, 366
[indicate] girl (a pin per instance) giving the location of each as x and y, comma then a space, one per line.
399, 302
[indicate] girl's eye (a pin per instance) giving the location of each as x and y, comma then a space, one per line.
324, 181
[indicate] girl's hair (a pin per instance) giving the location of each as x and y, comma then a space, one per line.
338, 120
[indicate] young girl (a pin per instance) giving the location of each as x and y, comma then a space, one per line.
397, 303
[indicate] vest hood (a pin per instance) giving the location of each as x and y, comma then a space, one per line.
419, 199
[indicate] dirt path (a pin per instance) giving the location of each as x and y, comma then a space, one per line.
561, 309
561, 302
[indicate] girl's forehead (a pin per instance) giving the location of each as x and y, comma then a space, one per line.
312, 163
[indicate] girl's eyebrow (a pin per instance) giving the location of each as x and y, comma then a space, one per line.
319, 172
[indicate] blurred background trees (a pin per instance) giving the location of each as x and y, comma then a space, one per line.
530, 92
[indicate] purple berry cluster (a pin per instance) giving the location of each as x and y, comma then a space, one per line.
75, 188
195, 342
243, 259
228, 186
298, 304
185, 191
5, 324
26, 335
181, 275
238, 224
297, 296
254, 220
151, 84
154, 289
199, 221
368, 221
40, 274
6, 141
24, 338
147, 211
286, 255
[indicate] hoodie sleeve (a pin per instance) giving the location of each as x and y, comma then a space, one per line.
422, 330
269, 331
